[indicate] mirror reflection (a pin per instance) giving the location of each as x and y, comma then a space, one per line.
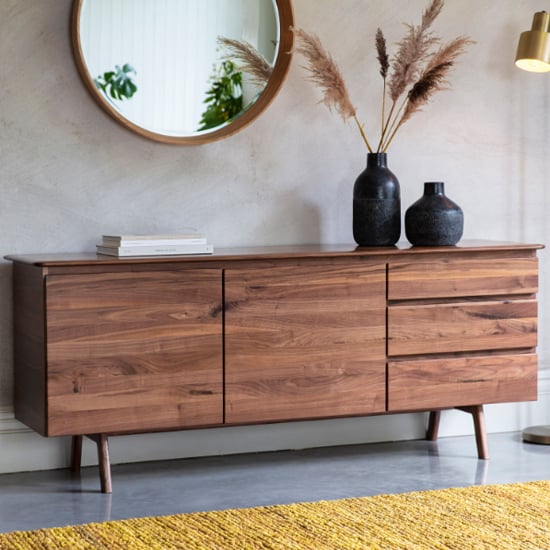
179, 67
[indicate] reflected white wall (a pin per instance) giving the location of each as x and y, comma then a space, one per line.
172, 44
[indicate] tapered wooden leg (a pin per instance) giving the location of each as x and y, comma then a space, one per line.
480, 430
104, 464
76, 453
102, 443
433, 425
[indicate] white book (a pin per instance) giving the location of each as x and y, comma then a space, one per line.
155, 250
149, 240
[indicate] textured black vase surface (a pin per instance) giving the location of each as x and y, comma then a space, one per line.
376, 204
434, 219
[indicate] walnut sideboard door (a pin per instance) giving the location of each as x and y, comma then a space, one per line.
133, 351
305, 341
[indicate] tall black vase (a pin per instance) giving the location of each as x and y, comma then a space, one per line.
434, 219
376, 204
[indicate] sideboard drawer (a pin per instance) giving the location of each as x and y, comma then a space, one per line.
464, 277
459, 327
460, 381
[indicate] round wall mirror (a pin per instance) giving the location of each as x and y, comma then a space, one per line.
183, 71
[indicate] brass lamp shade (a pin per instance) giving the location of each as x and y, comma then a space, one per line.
534, 46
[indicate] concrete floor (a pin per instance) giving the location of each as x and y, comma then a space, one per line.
55, 498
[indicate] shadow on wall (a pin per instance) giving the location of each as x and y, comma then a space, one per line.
6, 336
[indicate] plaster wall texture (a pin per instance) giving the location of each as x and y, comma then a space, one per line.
69, 173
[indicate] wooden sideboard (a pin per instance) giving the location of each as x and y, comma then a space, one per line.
107, 346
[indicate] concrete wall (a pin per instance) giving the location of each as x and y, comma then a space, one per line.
68, 173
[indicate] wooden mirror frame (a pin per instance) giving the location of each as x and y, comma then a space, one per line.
280, 70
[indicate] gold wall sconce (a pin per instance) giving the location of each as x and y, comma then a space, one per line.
534, 46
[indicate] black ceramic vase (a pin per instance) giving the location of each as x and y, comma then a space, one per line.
434, 219
376, 204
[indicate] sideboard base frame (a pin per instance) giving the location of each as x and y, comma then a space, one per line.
103, 458
104, 463
480, 430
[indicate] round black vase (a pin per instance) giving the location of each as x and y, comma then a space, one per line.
434, 219
376, 204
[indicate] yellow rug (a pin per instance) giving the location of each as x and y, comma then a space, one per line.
489, 516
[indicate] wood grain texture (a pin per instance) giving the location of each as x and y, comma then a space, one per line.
134, 352
426, 384
459, 327
462, 277
304, 342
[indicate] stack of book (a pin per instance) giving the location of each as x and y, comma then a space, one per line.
153, 245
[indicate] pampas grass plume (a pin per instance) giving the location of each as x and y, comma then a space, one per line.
414, 75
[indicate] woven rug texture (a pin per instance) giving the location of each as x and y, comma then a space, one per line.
514, 516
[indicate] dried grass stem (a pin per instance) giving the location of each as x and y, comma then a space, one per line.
324, 72
414, 75
250, 60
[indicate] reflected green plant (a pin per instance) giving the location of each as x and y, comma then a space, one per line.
224, 98
117, 84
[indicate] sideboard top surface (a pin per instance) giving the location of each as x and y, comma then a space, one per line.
272, 253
